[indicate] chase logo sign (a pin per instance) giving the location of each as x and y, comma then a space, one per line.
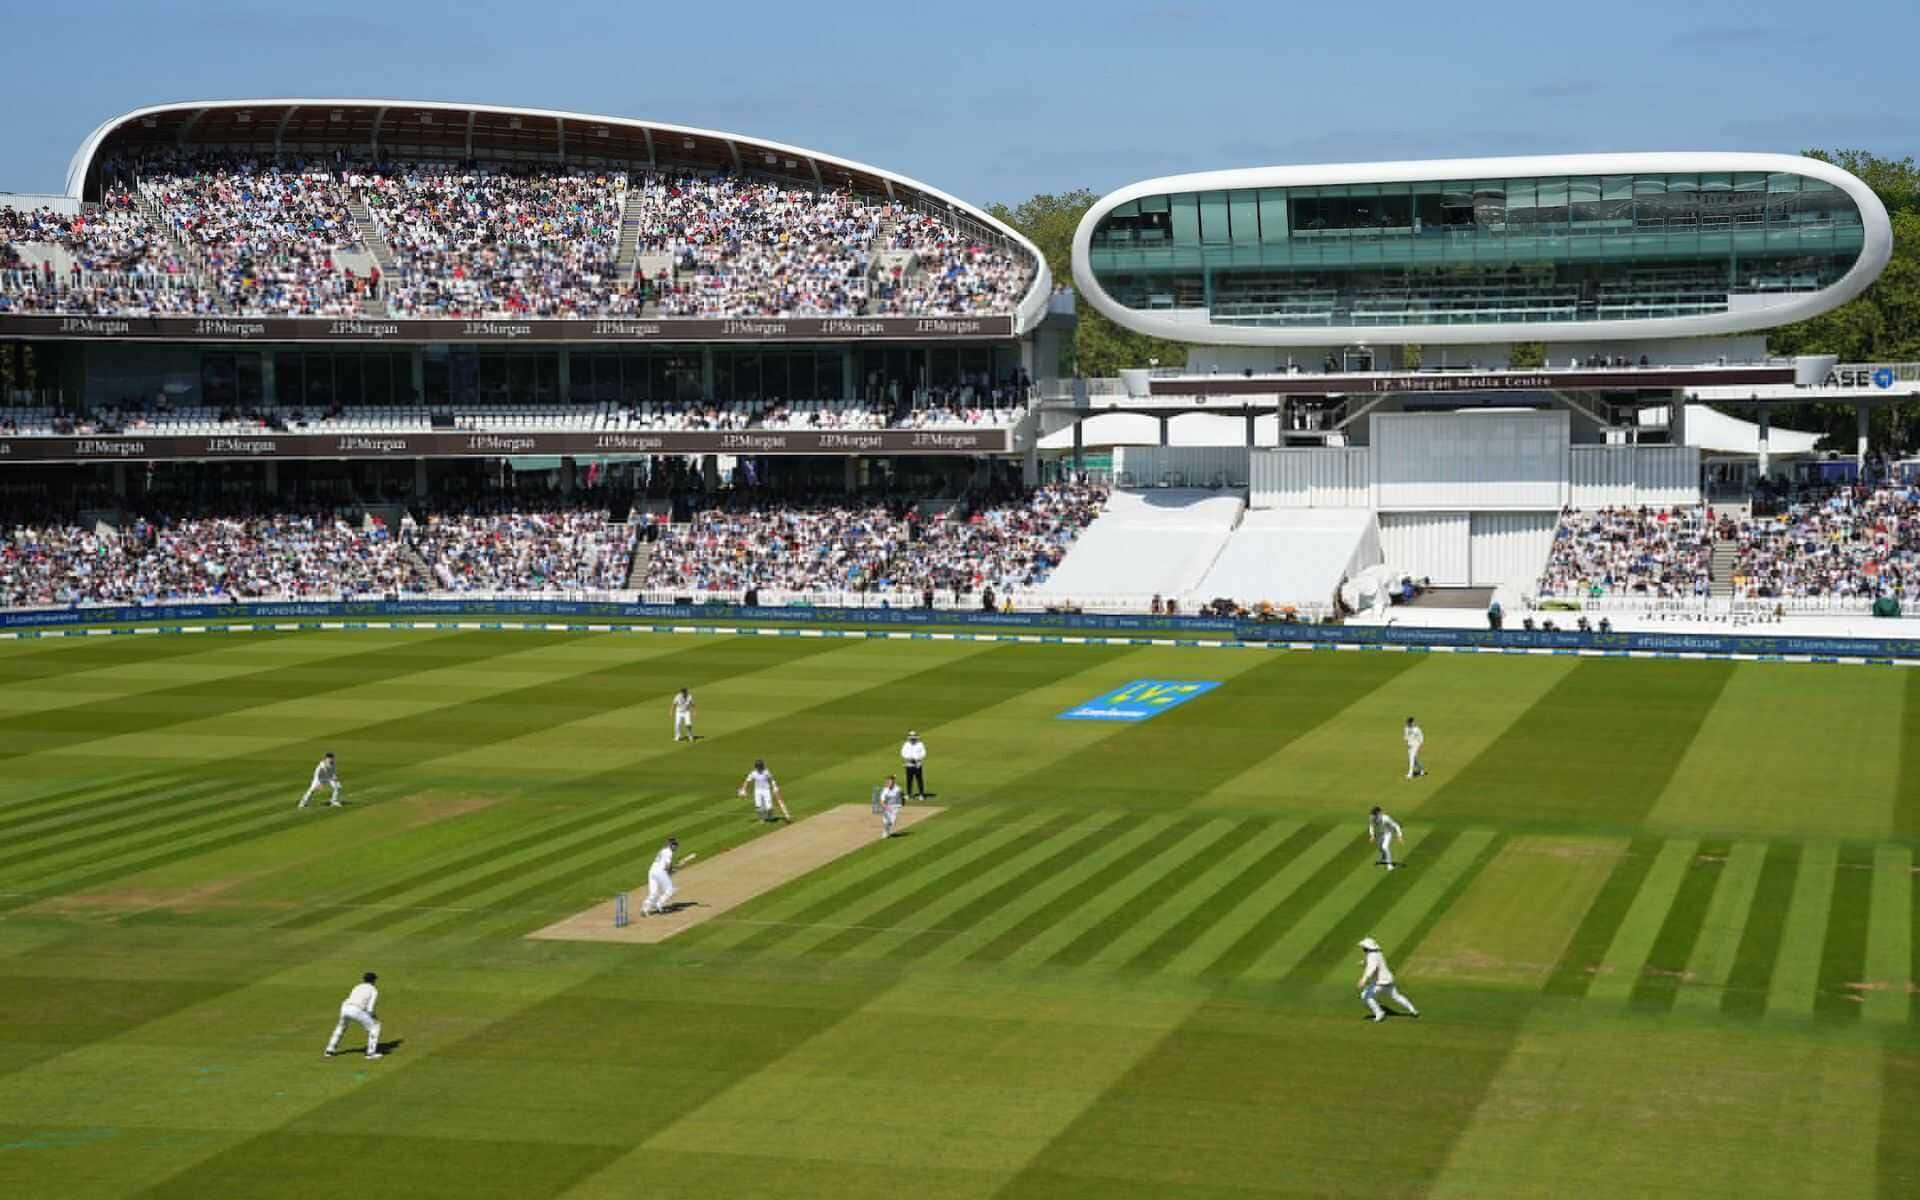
1139, 700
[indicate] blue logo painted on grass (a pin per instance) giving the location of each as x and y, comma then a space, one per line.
1139, 700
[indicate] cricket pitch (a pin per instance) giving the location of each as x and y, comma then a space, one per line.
711, 887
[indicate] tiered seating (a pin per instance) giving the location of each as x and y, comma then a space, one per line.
507, 547
1670, 291
1664, 553
485, 241
1854, 543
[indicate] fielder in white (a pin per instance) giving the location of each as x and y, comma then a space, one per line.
766, 792
326, 775
1414, 739
1381, 831
891, 798
683, 716
358, 1008
1377, 976
660, 887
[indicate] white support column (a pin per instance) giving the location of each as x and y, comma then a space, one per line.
1861, 415
1766, 426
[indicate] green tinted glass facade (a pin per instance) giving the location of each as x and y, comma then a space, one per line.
1478, 251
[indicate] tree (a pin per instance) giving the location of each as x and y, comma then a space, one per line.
1527, 356
1100, 347
1882, 324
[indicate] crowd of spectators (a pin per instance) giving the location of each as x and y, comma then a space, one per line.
1855, 542
874, 546
474, 241
505, 546
277, 237
1664, 553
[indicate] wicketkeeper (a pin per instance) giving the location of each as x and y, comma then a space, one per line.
358, 1008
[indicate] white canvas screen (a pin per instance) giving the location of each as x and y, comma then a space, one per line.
1430, 545
1312, 477
1510, 547
1470, 461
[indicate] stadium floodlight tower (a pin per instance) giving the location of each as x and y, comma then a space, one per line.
1630, 279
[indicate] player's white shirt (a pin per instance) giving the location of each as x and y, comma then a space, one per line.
326, 771
1377, 970
762, 782
1380, 825
891, 794
363, 997
913, 752
683, 705
1415, 737
663, 861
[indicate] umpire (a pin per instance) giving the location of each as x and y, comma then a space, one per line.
913, 756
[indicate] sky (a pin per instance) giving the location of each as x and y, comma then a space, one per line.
998, 102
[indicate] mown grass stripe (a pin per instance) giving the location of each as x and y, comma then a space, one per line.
1235, 934
960, 923
1745, 992
1711, 964
1346, 911
103, 812
1897, 1153
871, 897
1200, 906
1399, 924
1336, 884
1189, 893
928, 906
224, 811
140, 813
1889, 974
1579, 965
109, 654
1796, 974
615, 823
27, 809
1672, 949
1129, 906
1040, 907
1627, 955
99, 719
1843, 957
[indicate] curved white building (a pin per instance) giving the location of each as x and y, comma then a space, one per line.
1591, 247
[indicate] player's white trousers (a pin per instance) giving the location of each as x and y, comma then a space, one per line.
682, 726
1413, 761
360, 1017
764, 806
659, 891
1386, 848
315, 788
887, 814
1393, 994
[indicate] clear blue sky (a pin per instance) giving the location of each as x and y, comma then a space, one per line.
999, 101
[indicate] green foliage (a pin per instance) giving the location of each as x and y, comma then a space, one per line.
1526, 356
1100, 347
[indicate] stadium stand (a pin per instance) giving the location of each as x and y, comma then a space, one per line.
1159, 541
1663, 553
1853, 542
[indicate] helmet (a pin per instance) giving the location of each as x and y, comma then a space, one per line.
674, 842
369, 977
1367, 943
759, 764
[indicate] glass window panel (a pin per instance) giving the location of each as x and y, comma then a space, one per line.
1782, 181
1616, 187
1273, 215
1186, 219
1213, 218
1244, 208
1152, 204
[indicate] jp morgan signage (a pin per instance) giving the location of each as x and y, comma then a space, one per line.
1621, 379
663, 329
113, 447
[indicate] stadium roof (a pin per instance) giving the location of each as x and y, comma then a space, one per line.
494, 133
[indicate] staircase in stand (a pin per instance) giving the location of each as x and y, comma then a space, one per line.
1725, 553
370, 235
642, 555
623, 263
186, 250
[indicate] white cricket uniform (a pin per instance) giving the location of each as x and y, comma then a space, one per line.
1415, 739
659, 882
358, 1008
913, 757
1377, 976
761, 782
683, 716
1381, 830
891, 798
326, 775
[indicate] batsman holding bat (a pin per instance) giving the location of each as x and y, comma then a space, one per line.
766, 792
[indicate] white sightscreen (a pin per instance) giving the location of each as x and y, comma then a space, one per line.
1470, 461
1433, 545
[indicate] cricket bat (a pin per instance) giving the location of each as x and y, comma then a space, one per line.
685, 860
782, 802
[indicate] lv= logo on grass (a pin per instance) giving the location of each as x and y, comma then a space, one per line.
1141, 700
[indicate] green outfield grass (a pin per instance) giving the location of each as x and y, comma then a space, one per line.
1660, 918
